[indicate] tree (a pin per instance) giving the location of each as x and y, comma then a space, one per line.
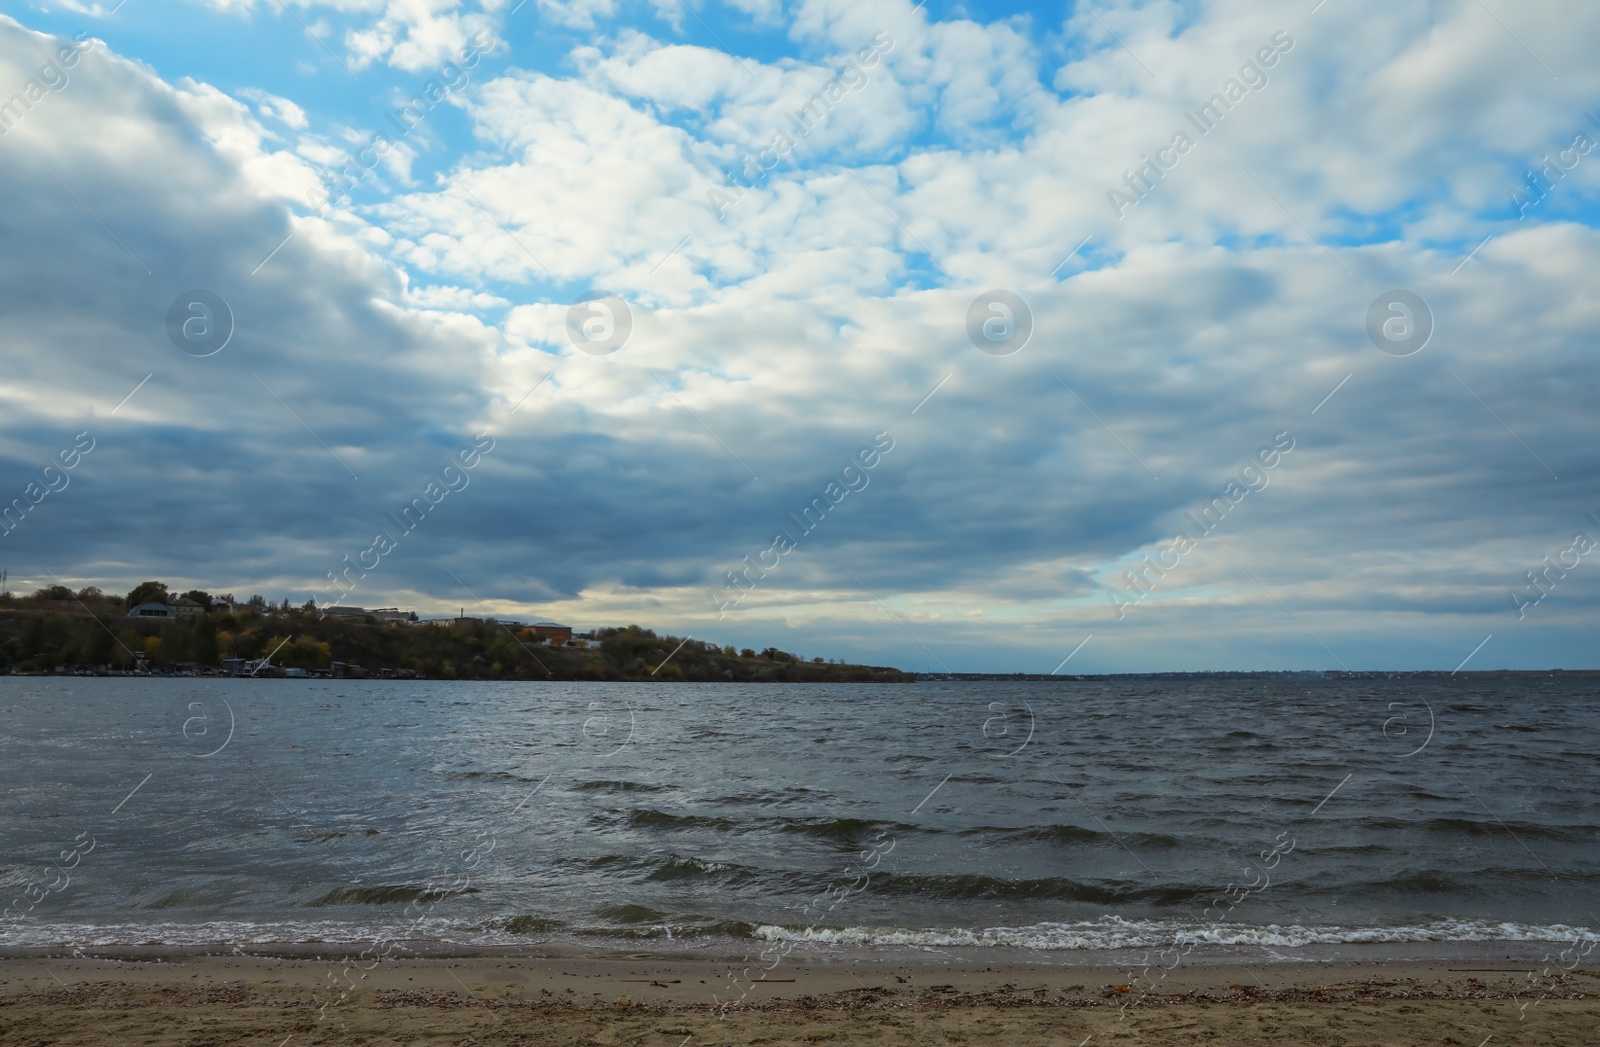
91, 594
32, 636
122, 652
148, 592
201, 598
177, 644
53, 592
100, 646
206, 648
624, 647
305, 653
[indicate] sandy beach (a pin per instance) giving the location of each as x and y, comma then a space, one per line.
665, 1000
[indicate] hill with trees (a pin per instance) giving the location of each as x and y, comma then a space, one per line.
57, 629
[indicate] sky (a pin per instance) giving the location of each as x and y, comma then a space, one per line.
1209, 335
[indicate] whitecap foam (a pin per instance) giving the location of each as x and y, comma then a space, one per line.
1117, 933
1106, 933
27, 935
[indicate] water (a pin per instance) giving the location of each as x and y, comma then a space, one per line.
1054, 816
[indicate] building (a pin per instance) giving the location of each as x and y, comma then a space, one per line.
552, 633
184, 607
390, 616
152, 609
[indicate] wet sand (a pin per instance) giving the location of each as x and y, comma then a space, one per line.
665, 1000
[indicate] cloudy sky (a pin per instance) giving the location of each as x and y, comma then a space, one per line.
1202, 335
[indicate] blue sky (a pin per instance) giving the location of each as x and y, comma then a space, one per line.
1196, 306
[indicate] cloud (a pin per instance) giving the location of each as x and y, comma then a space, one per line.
412, 35
578, 14
593, 186
158, 189
826, 300
271, 107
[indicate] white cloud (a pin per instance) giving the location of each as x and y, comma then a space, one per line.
271, 107
595, 186
833, 298
579, 14
413, 35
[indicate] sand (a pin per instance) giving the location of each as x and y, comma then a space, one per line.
649, 1000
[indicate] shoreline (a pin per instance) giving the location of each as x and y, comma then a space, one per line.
381, 950
662, 1000
684, 981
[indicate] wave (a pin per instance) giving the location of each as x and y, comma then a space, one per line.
391, 894
970, 886
849, 830
474, 776
1075, 834
772, 797
1117, 933
852, 831
614, 786
673, 930
627, 922
882, 883
857, 831
647, 818
679, 867
339, 935
1475, 827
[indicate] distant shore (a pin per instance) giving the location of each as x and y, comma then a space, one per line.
849, 673
63, 638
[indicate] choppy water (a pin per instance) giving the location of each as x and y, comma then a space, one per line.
1051, 815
